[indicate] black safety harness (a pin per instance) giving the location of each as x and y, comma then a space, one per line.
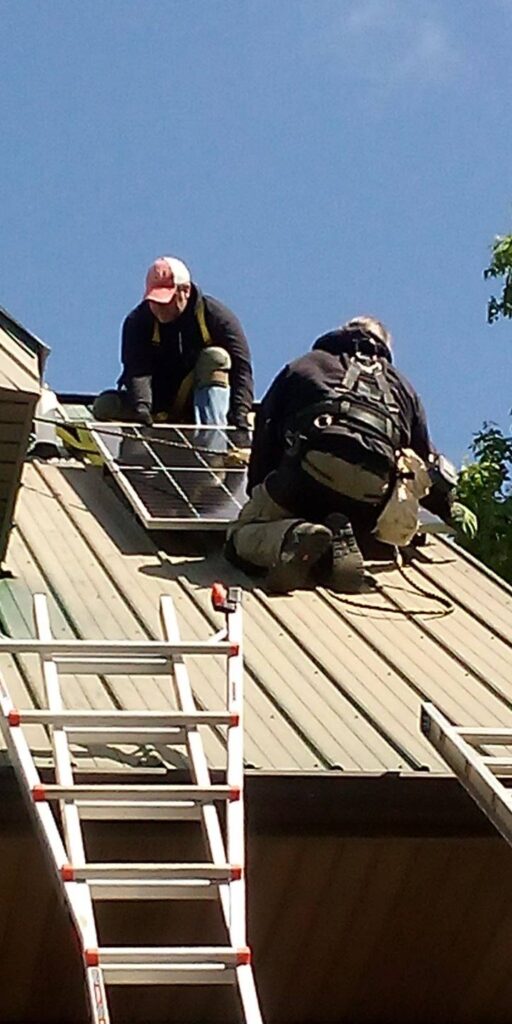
362, 404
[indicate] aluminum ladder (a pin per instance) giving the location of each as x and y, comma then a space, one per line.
477, 772
84, 883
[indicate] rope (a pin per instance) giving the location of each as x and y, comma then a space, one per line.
85, 425
444, 601
373, 583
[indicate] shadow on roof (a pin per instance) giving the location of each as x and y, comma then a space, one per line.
197, 556
99, 494
193, 555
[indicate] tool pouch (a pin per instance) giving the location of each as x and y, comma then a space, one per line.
398, 521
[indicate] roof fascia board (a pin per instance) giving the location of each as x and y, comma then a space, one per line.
325, 803
29, 400
24, 337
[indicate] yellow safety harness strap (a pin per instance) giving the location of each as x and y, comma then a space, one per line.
203, 326
184, 391
77, 437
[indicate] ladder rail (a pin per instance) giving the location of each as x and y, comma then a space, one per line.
234, 916
222, 877
471, 768
235, 816
77, 898
62, 758
197, 756
73, 836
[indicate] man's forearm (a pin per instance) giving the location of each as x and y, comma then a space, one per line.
241, 400
443, 476
438, 502
239, 416
140, 393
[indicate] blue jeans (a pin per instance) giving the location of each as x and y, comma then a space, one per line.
211, 406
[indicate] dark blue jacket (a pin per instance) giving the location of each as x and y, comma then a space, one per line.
313, 378
153, 370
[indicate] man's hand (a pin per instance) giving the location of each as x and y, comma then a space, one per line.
237, 457
464, 518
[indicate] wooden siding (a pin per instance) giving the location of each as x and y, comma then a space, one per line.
344, 929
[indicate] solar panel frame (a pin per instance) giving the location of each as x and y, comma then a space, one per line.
124, 472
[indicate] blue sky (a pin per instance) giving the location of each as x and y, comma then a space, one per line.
309, 159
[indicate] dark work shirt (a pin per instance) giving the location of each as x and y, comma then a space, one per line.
153, 370
313, 378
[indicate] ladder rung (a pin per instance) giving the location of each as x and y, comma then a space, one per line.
489, 737
113, 666
147, 871
155, 890
124, 792
185, 955
498, 765
128, 719
120, 794
134, 810
83, 650
168, 974
141, 737
152, 881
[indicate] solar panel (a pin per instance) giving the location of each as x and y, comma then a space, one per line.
175, 477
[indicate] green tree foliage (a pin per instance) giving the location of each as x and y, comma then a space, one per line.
485, 486
500, 267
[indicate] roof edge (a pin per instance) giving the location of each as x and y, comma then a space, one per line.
477, 564
25, 337
322, 803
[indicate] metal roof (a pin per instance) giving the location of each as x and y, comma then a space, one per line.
331, 681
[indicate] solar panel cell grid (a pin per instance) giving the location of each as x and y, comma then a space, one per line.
175, 477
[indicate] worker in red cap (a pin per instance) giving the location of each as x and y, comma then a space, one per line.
185, 357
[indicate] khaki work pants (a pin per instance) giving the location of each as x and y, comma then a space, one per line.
259, 531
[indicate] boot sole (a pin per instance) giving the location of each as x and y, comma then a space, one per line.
293, 575
348, 576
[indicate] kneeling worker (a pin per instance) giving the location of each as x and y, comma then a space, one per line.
185, 357
334, 432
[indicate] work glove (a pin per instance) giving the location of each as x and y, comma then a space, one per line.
237, 457
464, 519
241, 453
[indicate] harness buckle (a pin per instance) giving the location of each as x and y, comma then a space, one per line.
323, 420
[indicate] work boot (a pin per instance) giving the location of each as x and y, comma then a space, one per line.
302, 546
344, 568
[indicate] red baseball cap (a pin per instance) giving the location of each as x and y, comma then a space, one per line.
164, 277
